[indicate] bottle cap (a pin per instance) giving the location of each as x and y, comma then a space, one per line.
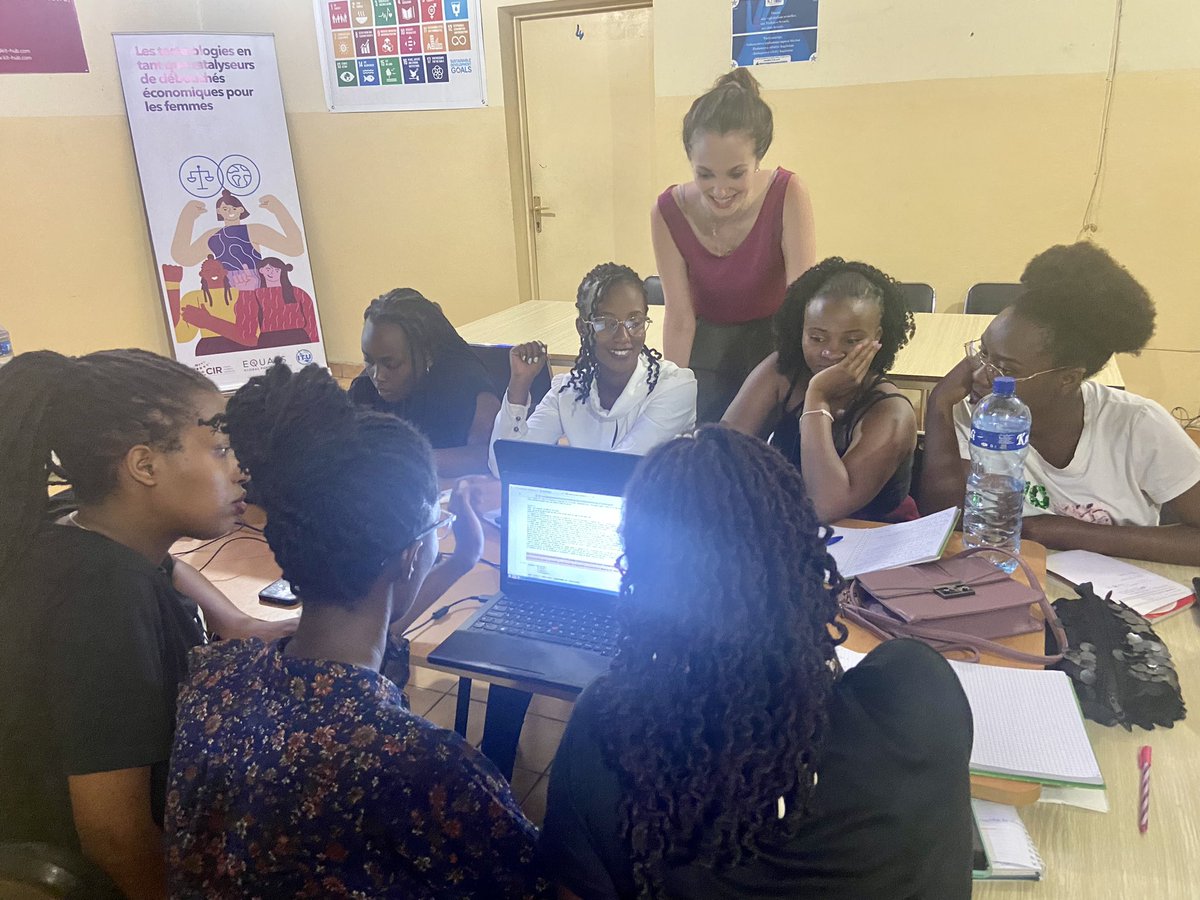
1004, 385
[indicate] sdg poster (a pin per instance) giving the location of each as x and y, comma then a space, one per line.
401, 54
211, 144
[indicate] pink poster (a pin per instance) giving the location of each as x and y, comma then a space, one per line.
40, 36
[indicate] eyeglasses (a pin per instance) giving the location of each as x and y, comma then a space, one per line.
633, 325
975, 353
441, 528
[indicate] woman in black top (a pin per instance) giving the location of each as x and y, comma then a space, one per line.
419, 369
726, 754
823, 396
97, 617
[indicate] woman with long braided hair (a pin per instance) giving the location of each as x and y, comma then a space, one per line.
620, 395
726, 754
97, 616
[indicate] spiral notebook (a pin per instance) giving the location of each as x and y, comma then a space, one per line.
1011, 854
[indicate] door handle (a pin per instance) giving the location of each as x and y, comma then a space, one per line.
540, 212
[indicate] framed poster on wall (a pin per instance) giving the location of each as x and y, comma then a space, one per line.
401, 54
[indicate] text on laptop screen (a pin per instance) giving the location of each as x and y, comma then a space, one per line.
561, 537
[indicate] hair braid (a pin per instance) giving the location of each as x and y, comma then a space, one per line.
345, 489
592, 290
86, 412
717, 698
430, 334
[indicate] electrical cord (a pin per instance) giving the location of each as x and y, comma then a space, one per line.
440, 613
232, 540
223, 537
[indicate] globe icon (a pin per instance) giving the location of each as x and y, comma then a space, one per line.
239, 175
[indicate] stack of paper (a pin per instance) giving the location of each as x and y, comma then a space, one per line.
1011, 853
860, 550
1151, 595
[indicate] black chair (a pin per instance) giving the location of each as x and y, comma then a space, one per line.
918, 296
654, 293
495, 359
990, 297
33, 870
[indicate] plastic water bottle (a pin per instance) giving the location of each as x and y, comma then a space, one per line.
6, 351
996, 483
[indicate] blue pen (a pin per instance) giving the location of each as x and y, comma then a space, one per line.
832, 539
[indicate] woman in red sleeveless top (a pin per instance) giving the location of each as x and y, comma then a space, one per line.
728, 243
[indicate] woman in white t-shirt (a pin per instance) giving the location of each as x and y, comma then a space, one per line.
1102, 462
620, 395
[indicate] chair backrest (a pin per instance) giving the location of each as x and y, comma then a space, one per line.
654, 293
989, 297
918, 296
495, 359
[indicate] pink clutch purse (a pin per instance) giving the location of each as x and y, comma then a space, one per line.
963, 603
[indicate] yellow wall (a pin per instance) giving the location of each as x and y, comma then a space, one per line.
945, 142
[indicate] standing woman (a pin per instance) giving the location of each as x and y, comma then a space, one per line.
729, 242
97, 616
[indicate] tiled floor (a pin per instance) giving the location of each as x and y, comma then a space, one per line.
435, 696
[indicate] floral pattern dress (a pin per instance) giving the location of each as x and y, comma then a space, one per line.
307, 778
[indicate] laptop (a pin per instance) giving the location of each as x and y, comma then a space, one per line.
552, 622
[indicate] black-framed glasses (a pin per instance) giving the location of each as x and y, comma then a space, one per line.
977, 355
633, 325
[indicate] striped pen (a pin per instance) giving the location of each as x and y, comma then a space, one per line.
1144, 788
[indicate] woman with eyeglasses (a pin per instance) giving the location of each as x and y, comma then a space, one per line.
823, 396
1102, 463
620, 395
298, 770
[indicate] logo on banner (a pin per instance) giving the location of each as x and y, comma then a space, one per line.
461, 65
200, 176
368, 72
437, 68
387, 41
410, 40
343, 45
413, 69
407, 10
431, 11
239, 174
456, 9
360, 12
346, 76
389, 70
459, 35
339, 14
304, 356
385, 12
435, 38
364, 41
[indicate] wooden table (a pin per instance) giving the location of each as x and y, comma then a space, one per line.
934, 350
1087, 854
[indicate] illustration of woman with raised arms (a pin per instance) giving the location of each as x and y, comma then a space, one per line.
235, 245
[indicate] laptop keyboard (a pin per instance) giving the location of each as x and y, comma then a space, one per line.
552, 622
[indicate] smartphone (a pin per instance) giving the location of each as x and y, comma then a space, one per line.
278, 593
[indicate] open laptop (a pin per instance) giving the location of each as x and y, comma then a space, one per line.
552, 621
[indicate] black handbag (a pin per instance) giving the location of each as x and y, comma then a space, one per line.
1121, 669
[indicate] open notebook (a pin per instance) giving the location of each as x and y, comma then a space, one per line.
1028, 725
1154, 596
1011, 854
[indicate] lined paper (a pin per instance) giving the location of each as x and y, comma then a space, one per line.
1010, 849
860, 550
1027, 725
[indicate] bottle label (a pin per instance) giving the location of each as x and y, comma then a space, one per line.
999, 440
5, 348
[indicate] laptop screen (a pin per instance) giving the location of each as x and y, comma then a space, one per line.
563, 538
